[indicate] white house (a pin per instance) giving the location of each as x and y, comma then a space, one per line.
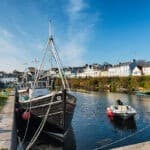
80, 74
122, 69
104, 73
146, 69
137, 71
8, 79
68, 73
89, 71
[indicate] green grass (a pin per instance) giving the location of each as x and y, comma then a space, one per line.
2, 101
3, 98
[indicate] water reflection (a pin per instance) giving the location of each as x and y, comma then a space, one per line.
47, 142
124, 125
69, 140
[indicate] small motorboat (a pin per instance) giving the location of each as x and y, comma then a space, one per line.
120, 110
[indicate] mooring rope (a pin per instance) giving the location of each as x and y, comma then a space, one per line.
39, 130
122, 139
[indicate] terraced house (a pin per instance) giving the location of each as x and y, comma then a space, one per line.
122, 69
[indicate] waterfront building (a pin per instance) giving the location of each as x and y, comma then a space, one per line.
137, 71
90, 71
122, 69
104, 69
104, 73
73, 72
67, 72
53, 72
2, 74
146, 68
8, 78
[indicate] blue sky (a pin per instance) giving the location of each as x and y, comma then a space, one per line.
86, 31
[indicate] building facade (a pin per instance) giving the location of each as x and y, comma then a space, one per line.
137, 71
122, 69
146, 69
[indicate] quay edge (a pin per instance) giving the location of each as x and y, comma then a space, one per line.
8, 136
138, 146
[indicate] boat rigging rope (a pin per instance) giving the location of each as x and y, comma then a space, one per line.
41, 126
122, 139
61, 66
58, 63
36, 79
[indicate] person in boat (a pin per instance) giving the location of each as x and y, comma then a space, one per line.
53, 83
119, 102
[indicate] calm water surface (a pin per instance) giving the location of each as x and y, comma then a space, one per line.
94, 130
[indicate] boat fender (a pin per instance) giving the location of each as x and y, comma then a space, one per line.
109, 112
26, 115
16, 109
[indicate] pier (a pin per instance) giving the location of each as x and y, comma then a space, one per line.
7, 132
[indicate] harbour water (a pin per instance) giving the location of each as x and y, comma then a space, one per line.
92, 129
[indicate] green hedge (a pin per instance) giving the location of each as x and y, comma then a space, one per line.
128, 84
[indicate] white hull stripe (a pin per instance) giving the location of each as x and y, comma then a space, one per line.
52, 103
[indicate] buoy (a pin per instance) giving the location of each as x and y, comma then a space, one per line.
16, 109
26, 115
109, 112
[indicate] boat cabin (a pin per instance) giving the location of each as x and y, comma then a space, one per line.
41, 88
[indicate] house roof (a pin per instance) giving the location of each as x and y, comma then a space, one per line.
122, 64
139, 67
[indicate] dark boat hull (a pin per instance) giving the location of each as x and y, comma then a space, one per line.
58, 119
124, 115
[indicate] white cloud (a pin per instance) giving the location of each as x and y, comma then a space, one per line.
78, 32
76, 6
14, 51
72, 54
5, 33
12, 56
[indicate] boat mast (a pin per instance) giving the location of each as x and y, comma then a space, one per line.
50, 29
56, 57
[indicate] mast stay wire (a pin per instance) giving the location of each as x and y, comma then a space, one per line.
67, 84
57, 61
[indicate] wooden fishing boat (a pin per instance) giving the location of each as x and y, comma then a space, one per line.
39, 102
